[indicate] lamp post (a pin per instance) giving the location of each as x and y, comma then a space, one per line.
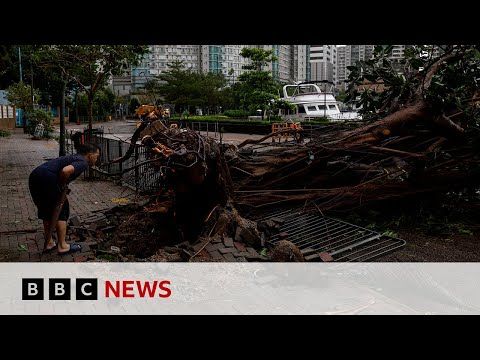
20, 62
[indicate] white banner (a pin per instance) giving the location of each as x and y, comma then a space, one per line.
239, 288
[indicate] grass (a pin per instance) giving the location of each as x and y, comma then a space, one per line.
4, 133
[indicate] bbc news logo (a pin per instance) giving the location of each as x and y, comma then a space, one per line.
59, 289
87, 289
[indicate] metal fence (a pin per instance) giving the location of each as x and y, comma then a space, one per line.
342, 241
140, 177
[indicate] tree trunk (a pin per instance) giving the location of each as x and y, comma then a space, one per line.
62, 120
24, 120
90, 128
90, 112
77, 118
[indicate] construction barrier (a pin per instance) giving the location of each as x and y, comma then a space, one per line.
283, 126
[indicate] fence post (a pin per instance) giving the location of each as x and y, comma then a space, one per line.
136, 169
220, 132
120, 155
107, 157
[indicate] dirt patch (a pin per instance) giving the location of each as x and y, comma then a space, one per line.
421, 247
141, 234
435, 230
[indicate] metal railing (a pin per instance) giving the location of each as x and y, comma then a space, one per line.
140, 177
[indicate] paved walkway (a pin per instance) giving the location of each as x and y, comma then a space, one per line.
21, 233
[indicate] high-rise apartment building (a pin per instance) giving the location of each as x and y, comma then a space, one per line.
348, 55
222, 59
292, 63
323, 63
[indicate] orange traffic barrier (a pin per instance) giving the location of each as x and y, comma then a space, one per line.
289, 125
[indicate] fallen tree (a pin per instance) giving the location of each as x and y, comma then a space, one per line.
419, 136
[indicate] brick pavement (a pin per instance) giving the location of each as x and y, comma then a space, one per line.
21, 233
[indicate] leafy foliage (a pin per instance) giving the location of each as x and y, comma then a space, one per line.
186, 88
257, 89
40, 116
236, 113
451, 88
4, 133
20, 94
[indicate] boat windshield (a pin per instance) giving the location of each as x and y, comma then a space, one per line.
306, 89
295, 90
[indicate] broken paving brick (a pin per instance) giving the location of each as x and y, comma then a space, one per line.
241, 254
227, 250
253, 251
213, 247
215, 254
75, 221
229, 257
240, 246
228, 241
326, 257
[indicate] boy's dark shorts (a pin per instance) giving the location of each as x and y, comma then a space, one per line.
45, 191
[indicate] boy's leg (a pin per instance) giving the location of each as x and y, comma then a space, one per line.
62, 235
46, 226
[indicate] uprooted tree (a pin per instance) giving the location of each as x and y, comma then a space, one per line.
419, 136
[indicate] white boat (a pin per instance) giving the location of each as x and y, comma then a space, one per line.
313, 103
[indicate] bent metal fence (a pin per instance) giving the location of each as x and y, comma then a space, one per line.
142, 178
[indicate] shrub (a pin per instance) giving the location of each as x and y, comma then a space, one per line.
40, 116
236, 113
4, 133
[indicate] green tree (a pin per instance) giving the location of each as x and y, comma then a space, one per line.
95, 64
258, 89
104, 101
210, 87
176, 84
57, 65
341, 96
20, 95
186, 88
282, 106
133, 104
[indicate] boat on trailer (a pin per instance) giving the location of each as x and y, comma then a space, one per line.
311, 103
